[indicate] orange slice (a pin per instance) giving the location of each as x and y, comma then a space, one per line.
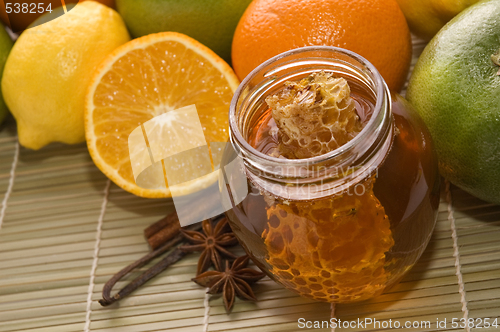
147, 77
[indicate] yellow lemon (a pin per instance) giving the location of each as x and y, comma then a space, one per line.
427, 17
49, 68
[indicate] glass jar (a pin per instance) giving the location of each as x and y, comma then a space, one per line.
346, 225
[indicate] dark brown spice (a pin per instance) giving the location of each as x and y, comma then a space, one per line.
211, 242
171, 258
160, 224
232, 281
162, 231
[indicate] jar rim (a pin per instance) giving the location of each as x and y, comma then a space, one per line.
380, 89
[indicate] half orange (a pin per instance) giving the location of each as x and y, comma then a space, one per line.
147, 77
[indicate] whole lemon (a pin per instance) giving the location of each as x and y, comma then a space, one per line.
427, 17
456, 89
49, 68
211, 22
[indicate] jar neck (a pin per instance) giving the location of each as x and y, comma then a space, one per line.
335, 171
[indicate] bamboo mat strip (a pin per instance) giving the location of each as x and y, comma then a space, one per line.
456, 256
11, 184
97, 245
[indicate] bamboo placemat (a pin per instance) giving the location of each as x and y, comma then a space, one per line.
65, 230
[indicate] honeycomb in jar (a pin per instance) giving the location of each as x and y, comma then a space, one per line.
314, 116
331, 249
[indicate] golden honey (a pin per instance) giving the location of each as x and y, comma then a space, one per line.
337, 223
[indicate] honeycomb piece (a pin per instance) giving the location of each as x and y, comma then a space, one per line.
332, 249
314, 116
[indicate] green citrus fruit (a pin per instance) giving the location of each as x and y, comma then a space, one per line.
456, 89
5, 47
211, 22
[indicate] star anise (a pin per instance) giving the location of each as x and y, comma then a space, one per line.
211, 243
234, 280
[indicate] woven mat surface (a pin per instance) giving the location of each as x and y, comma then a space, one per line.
65, 230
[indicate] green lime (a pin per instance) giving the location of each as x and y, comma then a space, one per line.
456, 89
211, 22
5, 47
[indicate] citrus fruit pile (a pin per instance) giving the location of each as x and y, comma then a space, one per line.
82, 78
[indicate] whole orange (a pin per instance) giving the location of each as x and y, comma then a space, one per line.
375, 29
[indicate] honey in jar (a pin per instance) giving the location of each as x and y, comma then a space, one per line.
342, 179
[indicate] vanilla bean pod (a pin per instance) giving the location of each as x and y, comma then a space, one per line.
171, 258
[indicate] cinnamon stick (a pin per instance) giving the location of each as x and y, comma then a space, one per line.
160, 224
162, 231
